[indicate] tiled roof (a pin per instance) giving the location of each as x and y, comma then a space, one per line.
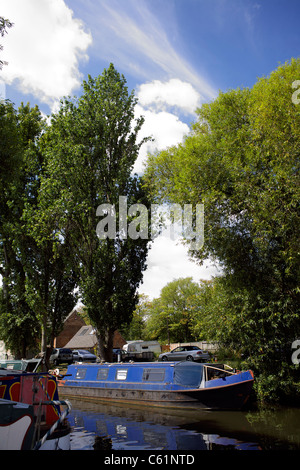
85, 338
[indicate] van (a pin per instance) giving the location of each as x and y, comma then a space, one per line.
61, 356
140, 346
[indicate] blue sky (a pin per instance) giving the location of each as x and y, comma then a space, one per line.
175, 54
212, 44
222, 43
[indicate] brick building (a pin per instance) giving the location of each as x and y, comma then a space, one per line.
86, 338
76, 334
72, 325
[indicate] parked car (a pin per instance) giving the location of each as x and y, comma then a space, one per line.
185, 353
61, 356
82, 355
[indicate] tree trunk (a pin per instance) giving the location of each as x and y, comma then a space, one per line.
105, 344
44, 333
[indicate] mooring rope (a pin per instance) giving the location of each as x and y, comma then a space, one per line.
55, 425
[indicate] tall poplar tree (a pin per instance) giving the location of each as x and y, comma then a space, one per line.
38, 281
92, 146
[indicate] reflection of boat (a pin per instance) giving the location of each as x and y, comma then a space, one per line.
115, 426
181, 384
31, 410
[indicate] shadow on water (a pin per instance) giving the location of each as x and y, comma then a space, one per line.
97, 426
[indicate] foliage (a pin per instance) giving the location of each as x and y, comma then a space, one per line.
4, 25
241, 160
91, 147
171, 317
37, 291
17, 319
136, 329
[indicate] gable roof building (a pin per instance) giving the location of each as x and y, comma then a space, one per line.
76, 334
86, 338
72, 324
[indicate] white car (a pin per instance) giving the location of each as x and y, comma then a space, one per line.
185, 353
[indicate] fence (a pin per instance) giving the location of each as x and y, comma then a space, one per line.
205, 345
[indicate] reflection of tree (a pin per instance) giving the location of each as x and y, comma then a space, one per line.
102, 443
276, 429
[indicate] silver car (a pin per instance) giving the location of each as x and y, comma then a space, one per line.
82, 355
185, 353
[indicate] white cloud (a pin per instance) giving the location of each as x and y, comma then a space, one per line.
166, 130
137, 41
168, 260
160, 95
162, 104
2, 90
43, 48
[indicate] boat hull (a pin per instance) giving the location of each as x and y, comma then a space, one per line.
30, 412
228, 397
16, 425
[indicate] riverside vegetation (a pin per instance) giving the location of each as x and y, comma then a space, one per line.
240, 160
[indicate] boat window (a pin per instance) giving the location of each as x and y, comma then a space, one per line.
121, 374
154, 375
80, 374
188, 374
102, 374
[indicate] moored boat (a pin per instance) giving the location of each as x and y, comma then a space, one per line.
16, 425
163, 384
31, 410
24, 365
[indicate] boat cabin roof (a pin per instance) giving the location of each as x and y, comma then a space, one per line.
183, 373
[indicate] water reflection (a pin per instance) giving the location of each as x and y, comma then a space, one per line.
109, 427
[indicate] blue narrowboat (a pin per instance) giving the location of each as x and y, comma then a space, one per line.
164, 384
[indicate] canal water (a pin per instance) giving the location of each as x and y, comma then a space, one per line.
96, 426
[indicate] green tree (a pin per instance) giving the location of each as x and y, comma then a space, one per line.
172, 315
137, 327
17, 326
92, 146
37, 287
241, 160
4, 25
